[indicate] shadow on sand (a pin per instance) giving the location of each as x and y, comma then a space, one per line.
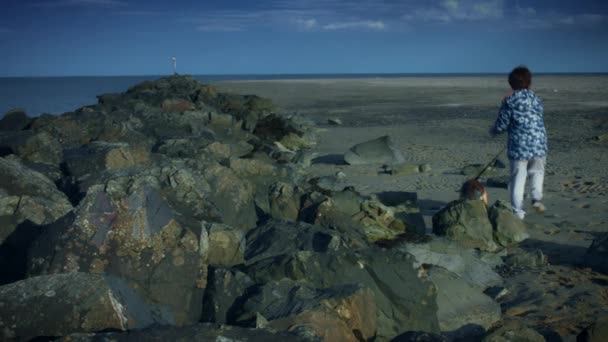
332, 159
557, 253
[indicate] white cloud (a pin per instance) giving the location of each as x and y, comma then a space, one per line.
372, 25
451, 4
307, 24
447, 11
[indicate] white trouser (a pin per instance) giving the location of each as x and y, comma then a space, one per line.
520, 170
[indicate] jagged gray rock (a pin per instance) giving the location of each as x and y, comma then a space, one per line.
377, 151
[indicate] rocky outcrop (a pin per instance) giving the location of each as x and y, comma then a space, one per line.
404, 301
136, 237
339, 313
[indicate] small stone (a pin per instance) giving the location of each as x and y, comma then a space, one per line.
334, 121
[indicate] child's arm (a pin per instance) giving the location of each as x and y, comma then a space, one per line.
502, 122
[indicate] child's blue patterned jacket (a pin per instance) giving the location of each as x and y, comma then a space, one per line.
521, 114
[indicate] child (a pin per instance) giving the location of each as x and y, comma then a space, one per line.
474, 190
521, 115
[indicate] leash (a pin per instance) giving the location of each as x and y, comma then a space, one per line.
490, 163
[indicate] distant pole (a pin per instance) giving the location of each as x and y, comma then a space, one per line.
174, 60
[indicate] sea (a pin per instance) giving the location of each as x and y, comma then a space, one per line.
57, 95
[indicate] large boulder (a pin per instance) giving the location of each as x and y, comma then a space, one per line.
225, 288
61, 304
233, 196
339, 313
466, 222
597, 254
462, 308
14, 120
508, 228
473, 266
41, 147
27, 195
404, 301
278, 236
136, 237
91, 159
222, 244
377, 151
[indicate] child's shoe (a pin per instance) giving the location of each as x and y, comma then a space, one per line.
538, 206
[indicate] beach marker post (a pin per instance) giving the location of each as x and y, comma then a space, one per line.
174, 62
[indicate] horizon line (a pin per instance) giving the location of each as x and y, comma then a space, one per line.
375, 74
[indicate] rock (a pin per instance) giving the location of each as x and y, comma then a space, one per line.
236, 150
501, 182
222, 245
527, 259
404, 301
597, 254
469, 264
601, 137
419, 336
466, 221
297, 142
95, 157
41, 148
14, 120
334, 121
232, 196
176, 105
513, 331
596, 332
339, 313
461, 305
61, 304
284, 201
225, 286
249, 168
406, 169
26, 195
508, 228
304, 157
198, 332
136, 237
274, 127
379, 221
377, 151
277, 237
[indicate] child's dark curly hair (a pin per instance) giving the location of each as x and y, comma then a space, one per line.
520, 78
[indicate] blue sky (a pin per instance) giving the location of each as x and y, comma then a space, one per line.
134, 37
